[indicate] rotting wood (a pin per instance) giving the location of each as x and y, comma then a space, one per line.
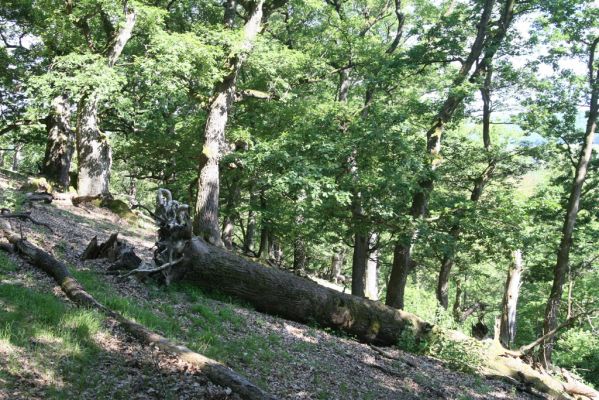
215, 371
280, 293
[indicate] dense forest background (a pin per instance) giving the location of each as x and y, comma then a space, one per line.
413, 151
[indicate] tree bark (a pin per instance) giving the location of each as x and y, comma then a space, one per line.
443, 281
337, 265
207, 199
563, 254
285, 294
16, 156
250, 232
507, 328
372, 266
93, 149
359, 265
60, 144
299, 255
480, 46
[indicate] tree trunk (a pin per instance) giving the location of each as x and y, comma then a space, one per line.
250, 232
16, 156
443, 281
299, 255
337, 265
230, 213
563, 255
207, 199
359, 265
507, 329
285, 294
60, 144
93, 149
433, 148
372, 265
399, 275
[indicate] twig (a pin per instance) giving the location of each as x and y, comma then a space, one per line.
149, 271
24, 216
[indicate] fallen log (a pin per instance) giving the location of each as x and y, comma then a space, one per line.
216, 372
44, 197
281, 293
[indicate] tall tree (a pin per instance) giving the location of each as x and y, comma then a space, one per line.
93, 148
563, 255
479, 184
206, 223
486, 44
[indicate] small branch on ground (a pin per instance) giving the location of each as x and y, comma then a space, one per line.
23, 216
217, 372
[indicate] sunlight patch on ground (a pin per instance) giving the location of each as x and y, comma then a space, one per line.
6, 348
299, 333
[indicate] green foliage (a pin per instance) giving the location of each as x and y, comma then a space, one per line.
459, 355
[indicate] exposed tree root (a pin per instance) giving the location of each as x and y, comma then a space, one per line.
217, 372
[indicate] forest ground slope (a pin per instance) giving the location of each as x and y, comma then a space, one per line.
50, 349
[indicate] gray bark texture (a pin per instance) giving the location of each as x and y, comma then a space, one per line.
278, 292
60, 144
507, 327
207, 200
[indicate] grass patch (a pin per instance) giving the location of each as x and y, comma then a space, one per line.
43, 338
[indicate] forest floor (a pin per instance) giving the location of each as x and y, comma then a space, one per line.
51, 349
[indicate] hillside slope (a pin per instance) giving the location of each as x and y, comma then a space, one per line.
49, 349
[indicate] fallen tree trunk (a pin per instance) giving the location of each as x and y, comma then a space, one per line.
274, 291
216, 372
281, 293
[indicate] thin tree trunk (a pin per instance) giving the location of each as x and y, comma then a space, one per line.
443, 281
420, 199
93, 149
207, 199
372, 266
248, 242
230, 213
563, 255
16, 156
299, 256
264, 250
507, 328
60, 144
337, 265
